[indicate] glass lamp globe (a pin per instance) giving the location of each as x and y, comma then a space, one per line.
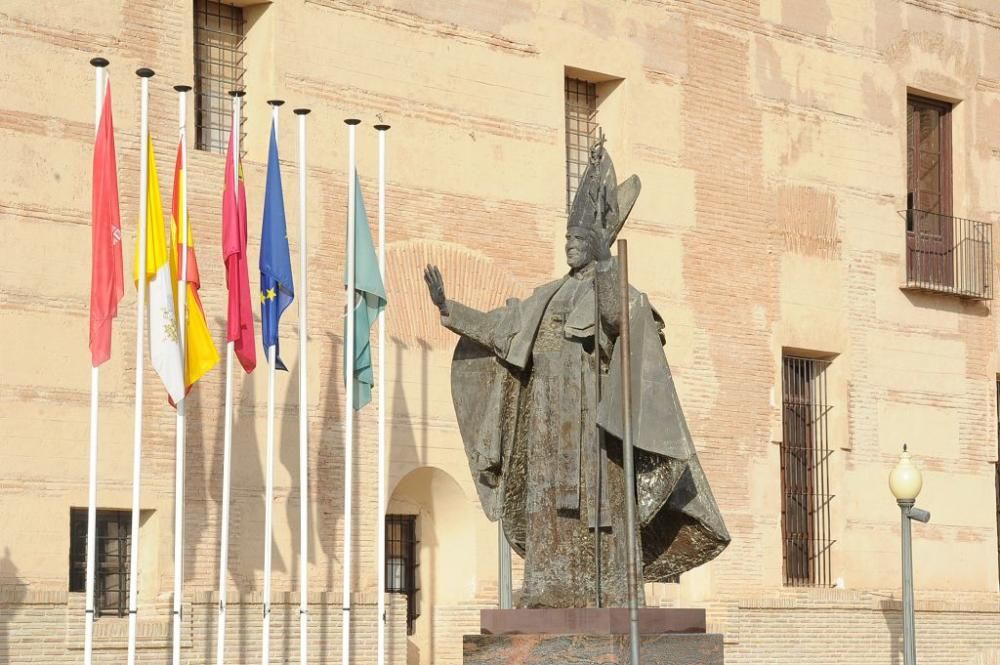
905, 480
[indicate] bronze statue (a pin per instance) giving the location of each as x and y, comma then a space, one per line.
543, 437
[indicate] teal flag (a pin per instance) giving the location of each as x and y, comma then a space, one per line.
369, 300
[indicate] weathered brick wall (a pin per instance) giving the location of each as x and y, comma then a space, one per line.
862, 629
47, 627
769, 138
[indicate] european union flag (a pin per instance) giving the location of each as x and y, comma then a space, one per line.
276, 289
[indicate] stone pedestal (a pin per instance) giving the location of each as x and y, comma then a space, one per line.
591, 635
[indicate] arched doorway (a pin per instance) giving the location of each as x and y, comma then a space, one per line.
431, 554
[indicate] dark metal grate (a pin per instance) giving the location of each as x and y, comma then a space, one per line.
948, 254
805, 473
218, 68
401, 562
114, 528
581, 131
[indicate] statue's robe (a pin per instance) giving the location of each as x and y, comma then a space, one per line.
524, 392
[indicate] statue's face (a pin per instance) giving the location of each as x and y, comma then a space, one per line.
578, 251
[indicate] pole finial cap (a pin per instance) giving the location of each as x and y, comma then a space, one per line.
99, 62
182, 88
352, 121
276, 102
145, 72
237, 93
382, 128
301, 111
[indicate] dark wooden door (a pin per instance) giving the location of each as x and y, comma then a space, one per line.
929, 234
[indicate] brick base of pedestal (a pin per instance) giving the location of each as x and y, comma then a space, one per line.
602, 649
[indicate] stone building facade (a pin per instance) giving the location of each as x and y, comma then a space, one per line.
812, 327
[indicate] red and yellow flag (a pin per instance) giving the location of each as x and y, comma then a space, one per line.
198, 346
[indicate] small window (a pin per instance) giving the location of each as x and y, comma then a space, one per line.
114, 529
805, 473
581, 131
218, 68
401, 562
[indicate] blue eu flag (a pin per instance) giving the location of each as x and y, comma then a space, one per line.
276, 289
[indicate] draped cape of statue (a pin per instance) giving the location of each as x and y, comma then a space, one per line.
680, 524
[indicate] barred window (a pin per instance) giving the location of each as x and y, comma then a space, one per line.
805, 473
581, 131
401, 562
997, 472
114, 530
218, 68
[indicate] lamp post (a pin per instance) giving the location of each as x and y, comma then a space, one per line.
905, 482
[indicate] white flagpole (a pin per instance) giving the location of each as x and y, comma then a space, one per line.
269, 492
140, 325
345, 656
88, 637
303, 402
182, 230
380, 544
220, 645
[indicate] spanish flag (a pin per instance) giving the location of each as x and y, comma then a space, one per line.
164, 344
201, 353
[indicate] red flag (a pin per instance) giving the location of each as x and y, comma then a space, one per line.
106, 282
234, 253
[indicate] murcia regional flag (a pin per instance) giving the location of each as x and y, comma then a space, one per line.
164, 344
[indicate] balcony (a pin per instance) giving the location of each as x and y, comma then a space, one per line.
949, 255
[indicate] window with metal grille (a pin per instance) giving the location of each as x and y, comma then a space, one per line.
805, 473
997, 472
114, 529
218, 68
401, 562
581, 131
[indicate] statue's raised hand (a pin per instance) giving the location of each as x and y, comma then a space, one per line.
435, 285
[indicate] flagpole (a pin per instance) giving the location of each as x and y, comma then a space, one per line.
269, 492
345, 656
140, 310
220, 646
100, 84
303, 402
380, 543
182, 231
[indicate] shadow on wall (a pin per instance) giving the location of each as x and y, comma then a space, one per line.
893, 618
287, 452
327, 485
12, 592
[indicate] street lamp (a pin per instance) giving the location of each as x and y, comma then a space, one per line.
905, 482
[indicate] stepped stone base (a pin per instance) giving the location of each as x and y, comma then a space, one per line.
548, 637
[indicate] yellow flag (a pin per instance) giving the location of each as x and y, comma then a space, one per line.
164, 344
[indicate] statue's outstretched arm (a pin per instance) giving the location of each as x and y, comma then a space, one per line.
477, 326
466, 321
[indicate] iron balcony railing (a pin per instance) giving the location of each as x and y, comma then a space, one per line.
948, 254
